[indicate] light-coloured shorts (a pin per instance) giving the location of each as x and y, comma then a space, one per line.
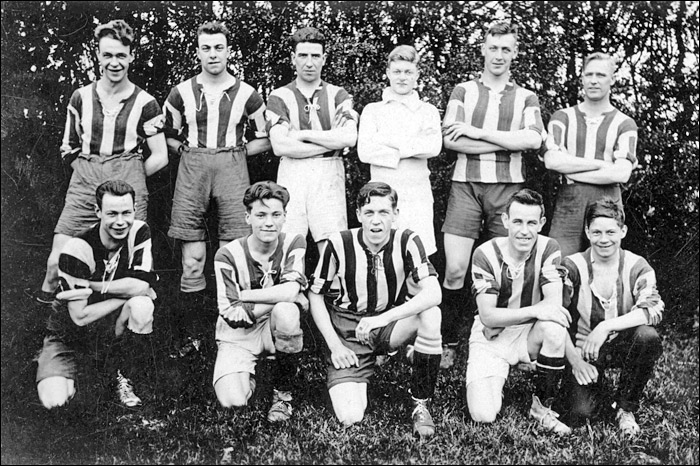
316, 196
493, 358
241, 348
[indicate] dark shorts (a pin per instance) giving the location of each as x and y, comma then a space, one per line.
471, 203
366, 354
90, 171
205, 175
568, 218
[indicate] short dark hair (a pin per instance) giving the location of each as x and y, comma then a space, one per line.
378, 189
265, 190
526, 196
308, 34
117, 29
115, 188
501, 28
604, 207
213, 27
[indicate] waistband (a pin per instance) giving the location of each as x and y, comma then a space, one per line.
213, 151
106, 158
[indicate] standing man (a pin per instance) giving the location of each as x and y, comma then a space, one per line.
397, 137
594, 146
312, 123
613, 300
389, 295
518, 289
489, 121
106, 276
205, 119
107, 122
260, 282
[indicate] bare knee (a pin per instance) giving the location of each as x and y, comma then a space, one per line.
141, 314
55, 391
483, 414
286, 317
231, 398
551, 332
349, 415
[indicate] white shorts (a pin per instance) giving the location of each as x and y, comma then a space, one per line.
316, 196
239, 349
493, 358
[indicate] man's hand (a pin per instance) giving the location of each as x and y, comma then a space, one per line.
593, 342
365, 326
584, 373
554, 313
343, 357
237, 317
302, 301
458, 129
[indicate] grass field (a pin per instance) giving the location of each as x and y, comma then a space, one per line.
181, 422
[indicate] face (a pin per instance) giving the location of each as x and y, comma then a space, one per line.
212, 51
116, 215
523, 223
597, 79
114, 59
376, 219
403, 76
308, 58
266, 218
498, 52
605, 236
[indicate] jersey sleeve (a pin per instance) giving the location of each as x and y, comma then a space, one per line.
228, 290
626, 144
76, 264
455, 107
172, 113
255, 110
326, 269
551, 271
416, 260
483, 275
72, 135
532, 118
294, 264
556, 131
646, 296
151, 121
141, 260
344, 112
277, 111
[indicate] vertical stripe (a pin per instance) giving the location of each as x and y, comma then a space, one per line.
128, 119
350, 266
90, 126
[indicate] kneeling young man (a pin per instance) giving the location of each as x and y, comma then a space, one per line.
389, 295
106, 268
259, 284
518, 289
612, 296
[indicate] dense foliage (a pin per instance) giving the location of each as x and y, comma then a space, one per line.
47, 51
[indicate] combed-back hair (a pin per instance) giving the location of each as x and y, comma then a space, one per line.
600, 56
526, 196
500, 28
308, 34
403, 53
379, 189
213, 27
115, 188
265, 190
116, 29
604, 207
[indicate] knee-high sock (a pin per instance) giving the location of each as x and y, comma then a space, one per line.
453, 307
426, 365
547, 377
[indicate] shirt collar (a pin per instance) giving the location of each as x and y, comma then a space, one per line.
412, 100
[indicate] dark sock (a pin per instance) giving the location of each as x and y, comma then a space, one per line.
425, 374
452, 307
547, 377
286, 365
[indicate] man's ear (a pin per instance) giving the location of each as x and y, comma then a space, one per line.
504, 219
624, 230
543, 220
